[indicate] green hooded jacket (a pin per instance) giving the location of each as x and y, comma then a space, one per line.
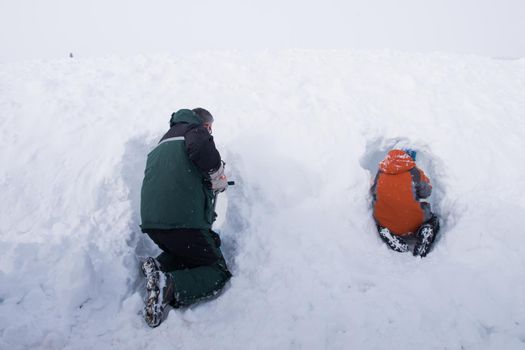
175, 192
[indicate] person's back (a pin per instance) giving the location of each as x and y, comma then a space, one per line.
399, 186
174, 194
398, 191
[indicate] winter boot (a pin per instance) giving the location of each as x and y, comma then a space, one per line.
425, 238
149, 265
159, 290
396, 243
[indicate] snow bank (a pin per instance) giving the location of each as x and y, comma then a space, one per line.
301, 132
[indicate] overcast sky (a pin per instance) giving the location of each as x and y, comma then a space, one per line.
32, 29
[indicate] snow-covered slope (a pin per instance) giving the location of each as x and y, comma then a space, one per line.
301, 133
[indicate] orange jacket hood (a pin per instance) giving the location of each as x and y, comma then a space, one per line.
396, 161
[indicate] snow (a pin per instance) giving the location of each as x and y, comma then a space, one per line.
302, 133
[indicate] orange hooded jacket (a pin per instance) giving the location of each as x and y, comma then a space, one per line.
397, 189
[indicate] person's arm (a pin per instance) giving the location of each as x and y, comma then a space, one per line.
374, 186
201, 150
421, 183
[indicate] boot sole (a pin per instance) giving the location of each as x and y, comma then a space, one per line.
155, 282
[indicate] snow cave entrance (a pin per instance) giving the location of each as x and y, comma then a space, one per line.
375, 151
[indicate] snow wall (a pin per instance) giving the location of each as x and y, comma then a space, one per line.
301, 132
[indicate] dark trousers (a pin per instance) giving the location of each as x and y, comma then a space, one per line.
433, 222
194, 260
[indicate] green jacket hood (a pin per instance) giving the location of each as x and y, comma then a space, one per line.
184, 116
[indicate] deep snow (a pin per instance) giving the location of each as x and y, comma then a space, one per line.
301, 132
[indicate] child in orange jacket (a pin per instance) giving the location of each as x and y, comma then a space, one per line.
398, 189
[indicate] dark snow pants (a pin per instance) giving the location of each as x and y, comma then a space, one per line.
194, 260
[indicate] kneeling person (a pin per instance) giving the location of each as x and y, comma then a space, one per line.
398, 190
183, 175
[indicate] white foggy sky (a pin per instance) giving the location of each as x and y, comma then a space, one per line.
32, 29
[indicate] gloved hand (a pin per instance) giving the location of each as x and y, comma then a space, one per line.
219, 181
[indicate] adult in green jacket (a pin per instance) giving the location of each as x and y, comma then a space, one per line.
183, 174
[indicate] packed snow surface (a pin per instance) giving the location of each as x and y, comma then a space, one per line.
301, 133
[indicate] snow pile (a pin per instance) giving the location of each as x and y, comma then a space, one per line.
301, 133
